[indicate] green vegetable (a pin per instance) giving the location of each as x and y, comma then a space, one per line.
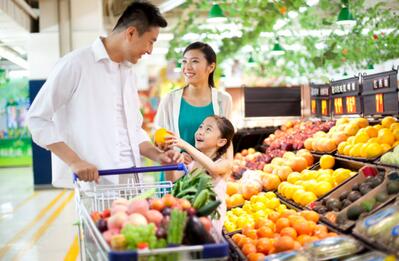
147, 194
176, 227
201, 199
208, 208
188, 191
138, 234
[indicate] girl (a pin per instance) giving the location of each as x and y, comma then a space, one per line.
183, 110
212, 139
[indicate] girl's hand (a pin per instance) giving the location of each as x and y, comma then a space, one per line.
174, 141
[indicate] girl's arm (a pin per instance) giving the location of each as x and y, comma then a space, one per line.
219, 168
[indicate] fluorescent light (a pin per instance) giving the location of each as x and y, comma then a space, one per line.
169, 5
312, 2
165, 37
18, 74
12, 57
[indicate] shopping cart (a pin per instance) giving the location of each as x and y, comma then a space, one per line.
91, 197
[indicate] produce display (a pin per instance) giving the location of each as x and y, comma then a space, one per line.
362, 195
328, 142
391, 158
382, 227
292, 136
372, 141
269, 178
330, 177
306, 187
279, 232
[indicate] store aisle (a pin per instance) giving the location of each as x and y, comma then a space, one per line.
35, 225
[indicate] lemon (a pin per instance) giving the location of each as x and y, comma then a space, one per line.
293, 177
282, 208
374, 150
341, 147
385, 147
270, 195
298, 195
341, 174
327, 162
347, 149
307, 198
323, 187
361, 137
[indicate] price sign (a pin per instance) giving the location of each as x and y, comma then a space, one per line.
381, 83
351, 104
343, 88
324, 109
324, 91
314, 107
379, 103
338, 108
314, 91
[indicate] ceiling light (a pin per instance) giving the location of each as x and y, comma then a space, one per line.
169, 5
216, 15
345, 17
12, 57
277, 48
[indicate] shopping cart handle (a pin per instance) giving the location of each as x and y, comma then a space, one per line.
131, 170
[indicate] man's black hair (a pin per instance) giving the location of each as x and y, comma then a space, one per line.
142, 15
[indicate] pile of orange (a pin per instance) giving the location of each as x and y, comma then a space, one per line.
280, 232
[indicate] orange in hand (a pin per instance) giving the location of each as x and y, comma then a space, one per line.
160, 135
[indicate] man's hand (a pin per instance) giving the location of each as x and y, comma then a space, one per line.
187, 158
171, 157
85, 171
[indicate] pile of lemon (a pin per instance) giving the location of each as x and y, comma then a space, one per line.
372, 141
309, 185
253, 210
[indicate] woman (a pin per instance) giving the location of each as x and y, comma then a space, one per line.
182, 111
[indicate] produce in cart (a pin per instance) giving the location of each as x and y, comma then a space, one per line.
153, 223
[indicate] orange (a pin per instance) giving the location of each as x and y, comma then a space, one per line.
302, 227
388, 121
237, 237
297, 164
304, 239
386, 136
351, 129
244, 241
270, 182
250, 233
256, 256
267, 223
264, 245
232, 188
395, 133
289, 231
237, 200
361, 122
308, 144
310, 215
282, 223
160, 135
327, 162
371, 132
332, 234
248, 249
284, 243
297, 245
265, 232
274, 216
288, 213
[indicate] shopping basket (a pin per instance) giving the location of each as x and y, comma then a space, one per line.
99, 197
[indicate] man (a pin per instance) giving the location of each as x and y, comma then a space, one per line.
87, 113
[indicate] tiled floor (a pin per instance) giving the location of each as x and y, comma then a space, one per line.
35, 225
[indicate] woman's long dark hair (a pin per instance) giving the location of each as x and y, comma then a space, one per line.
209, 54
226, 129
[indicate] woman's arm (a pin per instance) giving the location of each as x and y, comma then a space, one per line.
219, 168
